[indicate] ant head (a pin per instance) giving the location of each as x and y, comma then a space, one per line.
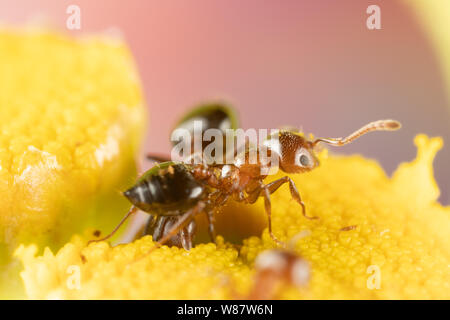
296, 154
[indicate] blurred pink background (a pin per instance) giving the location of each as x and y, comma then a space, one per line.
305, 63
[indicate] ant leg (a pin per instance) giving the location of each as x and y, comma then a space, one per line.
268, 208
273, 186
158, 225
179, 225
296, 195
187, 235
221, 199
132, 210
157, 158
253, 196
182, 223
211, 229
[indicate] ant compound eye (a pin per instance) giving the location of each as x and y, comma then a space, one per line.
303, 159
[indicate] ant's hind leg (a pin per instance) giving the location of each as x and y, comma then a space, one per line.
267, 205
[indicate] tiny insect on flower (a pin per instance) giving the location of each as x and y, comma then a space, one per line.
181, 191
402, 231
276, 268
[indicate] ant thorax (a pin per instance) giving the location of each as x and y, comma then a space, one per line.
257, 162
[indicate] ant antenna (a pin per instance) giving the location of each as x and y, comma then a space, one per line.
132, 210
297, 237
380, 125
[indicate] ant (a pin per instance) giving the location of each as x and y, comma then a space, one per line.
275, 268
175, 192
215, 115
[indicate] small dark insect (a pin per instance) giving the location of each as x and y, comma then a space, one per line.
175, 192
348, 228
212, 116
276, 268
215, 115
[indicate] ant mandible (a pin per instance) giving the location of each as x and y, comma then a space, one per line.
175, 192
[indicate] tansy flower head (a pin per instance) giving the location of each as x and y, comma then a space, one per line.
398, 248
71, 120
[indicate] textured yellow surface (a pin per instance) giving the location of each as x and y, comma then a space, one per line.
401, 231
71, 119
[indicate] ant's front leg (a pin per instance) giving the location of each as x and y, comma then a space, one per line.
211, 229
267, 205
274, 185
215, 199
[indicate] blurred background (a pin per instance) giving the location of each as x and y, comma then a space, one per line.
312, 64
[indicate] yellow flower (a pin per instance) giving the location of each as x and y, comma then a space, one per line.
400, 248
71, 120
434, 16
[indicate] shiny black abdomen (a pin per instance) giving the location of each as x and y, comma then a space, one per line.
167, 189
